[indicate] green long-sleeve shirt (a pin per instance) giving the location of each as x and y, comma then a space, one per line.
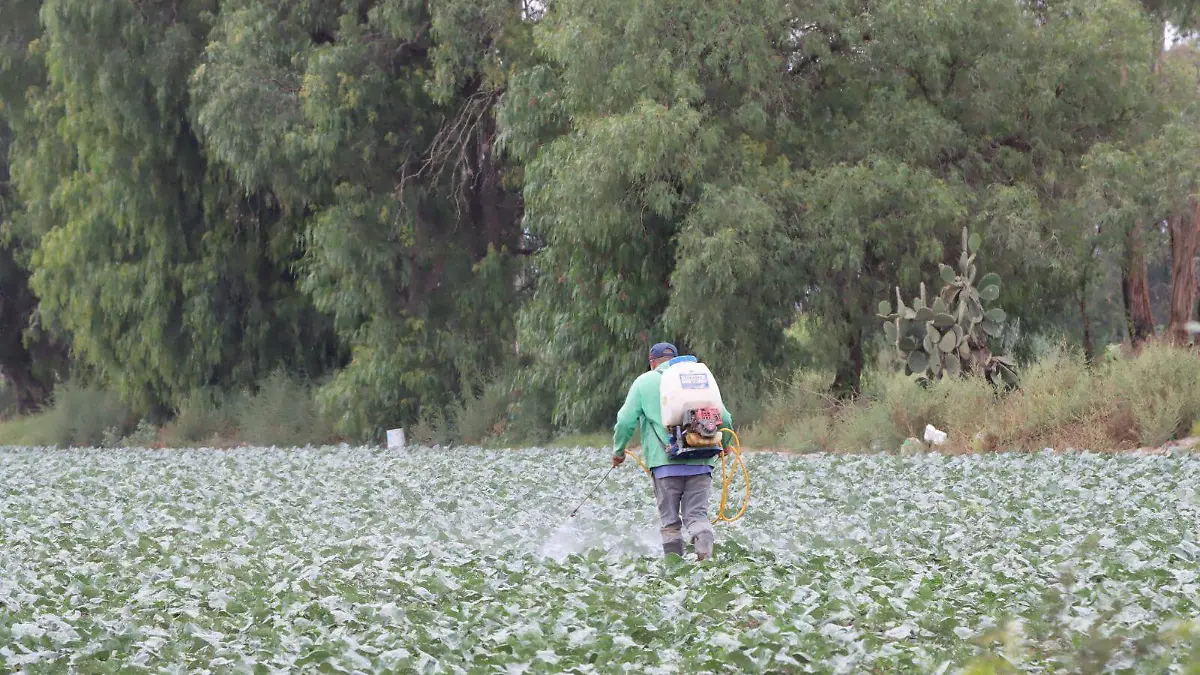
643, 405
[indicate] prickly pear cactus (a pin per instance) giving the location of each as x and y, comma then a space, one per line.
949, 336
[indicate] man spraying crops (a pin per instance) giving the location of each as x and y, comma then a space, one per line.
680, 411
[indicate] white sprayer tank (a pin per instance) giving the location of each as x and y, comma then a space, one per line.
687, 385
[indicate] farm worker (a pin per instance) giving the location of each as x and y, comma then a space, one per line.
682, 486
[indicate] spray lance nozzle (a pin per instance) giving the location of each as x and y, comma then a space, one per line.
589, 495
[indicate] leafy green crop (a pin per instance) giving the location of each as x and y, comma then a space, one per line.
437, 561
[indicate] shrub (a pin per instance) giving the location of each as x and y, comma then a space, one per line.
749, 401
482, 417
809, 433
1161, 389
1148, 399
785, 413
432, 429
85, 416
203, 417
145, 435
282, 412
1057, 394
531, 417
863, 426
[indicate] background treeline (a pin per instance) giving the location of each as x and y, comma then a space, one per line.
471, 217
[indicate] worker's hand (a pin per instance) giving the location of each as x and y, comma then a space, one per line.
617, 460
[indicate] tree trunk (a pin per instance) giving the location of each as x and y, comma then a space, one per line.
1089, 350
1135, 282
31, 394
16, 361
1160, 55
1185, 236
1135, 287
17, 305
847, 381
490, 192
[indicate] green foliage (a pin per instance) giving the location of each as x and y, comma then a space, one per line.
698, 171
204, 416
144, 435
948, 336
29, 359
1147, 176
481, 418
379, 145
531, 416
1147, 400
633, 200
282, 412
787, 413
433, 429
890, 219
83, 415
163, 274
401, 200
1160, 388
487, 418
29, 430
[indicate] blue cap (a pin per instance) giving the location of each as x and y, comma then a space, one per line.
663, 350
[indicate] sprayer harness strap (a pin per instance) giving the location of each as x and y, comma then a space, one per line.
728, 471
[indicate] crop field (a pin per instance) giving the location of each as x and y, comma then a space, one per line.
463, 561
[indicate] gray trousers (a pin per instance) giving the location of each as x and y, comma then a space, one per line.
683, 500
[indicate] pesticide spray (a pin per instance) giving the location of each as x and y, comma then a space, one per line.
589, 530
583, 529
569, 538
692, 412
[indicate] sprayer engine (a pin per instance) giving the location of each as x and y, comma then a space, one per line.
699, 437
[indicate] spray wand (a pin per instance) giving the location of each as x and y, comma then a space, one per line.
589, 495
729, 469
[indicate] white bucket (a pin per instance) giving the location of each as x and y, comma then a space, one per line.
395, 439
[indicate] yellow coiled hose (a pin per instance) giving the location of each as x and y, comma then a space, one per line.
729, 471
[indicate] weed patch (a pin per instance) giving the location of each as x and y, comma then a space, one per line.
1144, 400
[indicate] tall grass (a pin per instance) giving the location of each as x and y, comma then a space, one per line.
283, 412
82, 415
205, 417
796, 416
501, 415
1145, 400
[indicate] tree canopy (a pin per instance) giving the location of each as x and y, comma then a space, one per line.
407, 201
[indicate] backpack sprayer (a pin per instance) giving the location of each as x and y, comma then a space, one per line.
691, 412
729, 471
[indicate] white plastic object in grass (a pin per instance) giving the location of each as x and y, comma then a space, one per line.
934, 435
395, 439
